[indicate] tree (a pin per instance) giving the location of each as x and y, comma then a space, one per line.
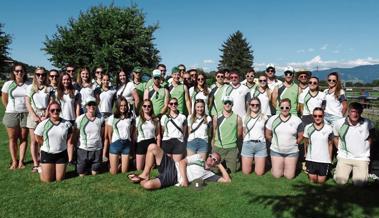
236, 53
111, 37
5, 40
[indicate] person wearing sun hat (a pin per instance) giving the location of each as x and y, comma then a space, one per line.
289, 90
227, 128
157, 94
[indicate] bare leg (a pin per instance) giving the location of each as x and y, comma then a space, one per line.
60, 171
277, 168
247, 163
321, 179
177, 157
70, 152
154, 155
151, 184
33, 147
48, 172
312, 178
124, 163
290, 167
23, 144
260, 163
140, 161
190, 152
12, 136
113, 162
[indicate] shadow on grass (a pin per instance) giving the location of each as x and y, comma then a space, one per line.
322, 201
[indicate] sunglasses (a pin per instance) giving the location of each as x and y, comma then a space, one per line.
332, 80
53, 76
233, 77
249, 76
270, 70
146, 106
213, 158
55, 110
39, 74
173, 103
312, 83
262, 80
193, 75
318, 116
98, 72
219, 76
284, 108
69, 71
254, 105
303, 76
91, 104
156, 77
18, 71
182, 70
228, 102
200, 79
288, 73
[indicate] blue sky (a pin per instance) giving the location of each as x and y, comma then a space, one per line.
304, 34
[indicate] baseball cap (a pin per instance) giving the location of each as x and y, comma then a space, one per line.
156, 73
137, 69
289, 69
174, 70
89, 100
270, 66
227, 98
198, 184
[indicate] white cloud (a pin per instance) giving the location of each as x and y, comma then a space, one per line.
208, 61
324, 47
336, 51
311, 50
318, 62
300, 51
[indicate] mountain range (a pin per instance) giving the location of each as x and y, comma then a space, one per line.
363, 73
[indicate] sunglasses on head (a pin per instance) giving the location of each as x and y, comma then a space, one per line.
284, 108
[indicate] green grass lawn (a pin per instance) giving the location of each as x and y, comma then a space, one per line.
23, 195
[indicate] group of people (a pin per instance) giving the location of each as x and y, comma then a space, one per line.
80, 117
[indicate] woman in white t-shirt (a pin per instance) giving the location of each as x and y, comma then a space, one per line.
174, 127
318, 142
15, 116
148, 132
120, 131
105, 96
254, 142
127, 89
86, 88
198, 130
265, 95
285, 132
53, 134
336, 102
200, 91
69, 101
37, 99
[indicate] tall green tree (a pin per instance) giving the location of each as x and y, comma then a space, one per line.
5, 41
108, 36
236, 53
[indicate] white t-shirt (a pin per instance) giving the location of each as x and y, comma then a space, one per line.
38, 99
54, 136
106, 100
16, 97
355, 144
275, 84
90, 132
195, 169
86, 92
334, 105
199, 95
145, 130
68, 106
284, 133
264, 98
170, 131
202, 131
254, 127
126, 90
239, 99
121, 128
311, 102
318, 147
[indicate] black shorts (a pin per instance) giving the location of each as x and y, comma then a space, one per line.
168, 175
315, 168
88, 161
143, 145
58, 158
173, 146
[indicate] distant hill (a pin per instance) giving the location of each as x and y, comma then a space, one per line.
363, 74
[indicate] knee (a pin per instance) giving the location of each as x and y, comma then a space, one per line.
340, 180
113, 171
152, 147
276, 174
259, 173
147, 185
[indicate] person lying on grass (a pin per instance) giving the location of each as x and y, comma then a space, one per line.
181, 173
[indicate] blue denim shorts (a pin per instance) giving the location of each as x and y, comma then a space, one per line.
198, 145
278, 154
254, 149
120, 146
331, 119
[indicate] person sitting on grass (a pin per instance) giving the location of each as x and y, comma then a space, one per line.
178, 173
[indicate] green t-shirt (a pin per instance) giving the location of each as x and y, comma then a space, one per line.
157, 98
292, 93
178, 92
226, 132
217, 93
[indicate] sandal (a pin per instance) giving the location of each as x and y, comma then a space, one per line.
13, 165
35, 169
134, 178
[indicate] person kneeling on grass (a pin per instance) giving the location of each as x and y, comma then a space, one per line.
178, 173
